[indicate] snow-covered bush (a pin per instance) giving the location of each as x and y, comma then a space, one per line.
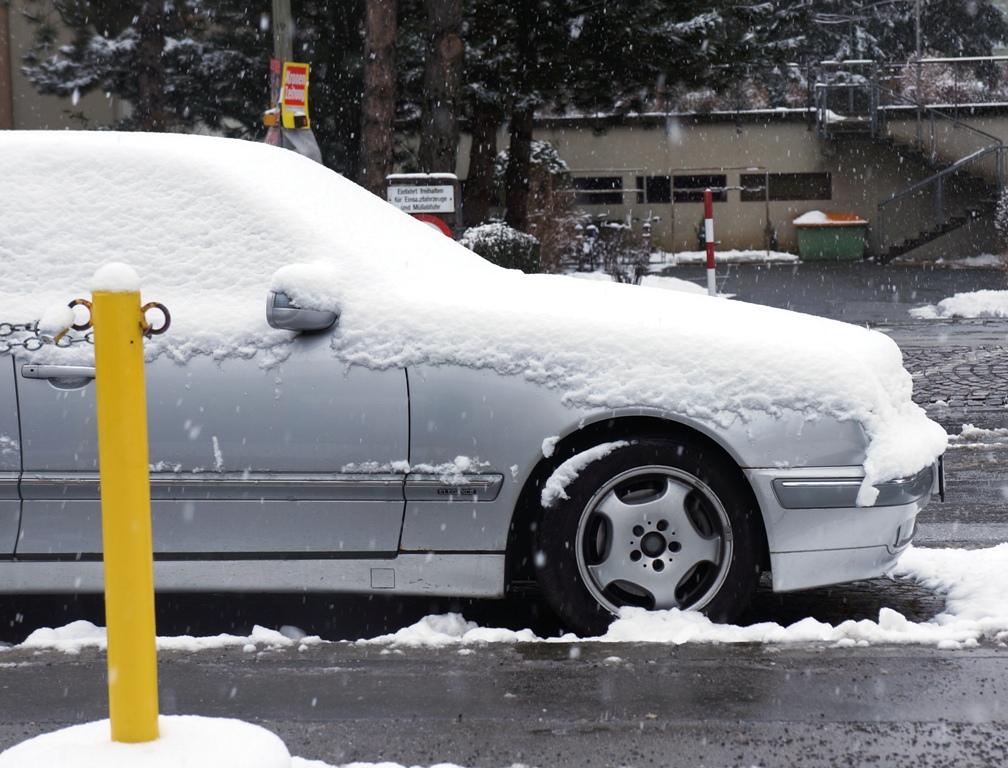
622, 253
551, 218
504, 246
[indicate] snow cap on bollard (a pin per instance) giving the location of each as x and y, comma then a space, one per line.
115, 277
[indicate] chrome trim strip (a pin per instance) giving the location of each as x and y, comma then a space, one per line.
834, 493
231, 486
477, 487
420, 574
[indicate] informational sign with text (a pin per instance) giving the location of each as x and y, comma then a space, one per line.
434, 198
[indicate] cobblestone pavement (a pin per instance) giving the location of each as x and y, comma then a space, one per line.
959, 377
959, 385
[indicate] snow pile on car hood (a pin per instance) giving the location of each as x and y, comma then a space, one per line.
210, 224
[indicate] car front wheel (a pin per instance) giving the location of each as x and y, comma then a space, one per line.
656, 524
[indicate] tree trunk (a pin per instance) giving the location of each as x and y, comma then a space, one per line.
6, 84
439, 131
150, 107
378, 103
480, 184
517, 178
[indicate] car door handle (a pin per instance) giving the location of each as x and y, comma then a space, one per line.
58, 371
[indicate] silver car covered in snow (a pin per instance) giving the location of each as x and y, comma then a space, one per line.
347, 401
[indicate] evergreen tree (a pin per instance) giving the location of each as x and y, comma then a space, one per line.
178, 66
535, 56
214, 61
886, 30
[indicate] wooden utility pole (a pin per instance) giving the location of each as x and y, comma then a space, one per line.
283, 31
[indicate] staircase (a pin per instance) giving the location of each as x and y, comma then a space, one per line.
966, 164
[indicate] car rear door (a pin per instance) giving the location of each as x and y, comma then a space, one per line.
283, 453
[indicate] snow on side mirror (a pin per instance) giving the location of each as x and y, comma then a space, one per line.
282, 313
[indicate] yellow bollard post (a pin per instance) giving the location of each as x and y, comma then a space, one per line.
126, 514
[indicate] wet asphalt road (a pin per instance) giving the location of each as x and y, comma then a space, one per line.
567, 705
589, 704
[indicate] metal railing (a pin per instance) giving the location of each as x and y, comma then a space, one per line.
940, 137
969, 162
940, 202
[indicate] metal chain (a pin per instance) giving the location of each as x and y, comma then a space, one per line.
29, 338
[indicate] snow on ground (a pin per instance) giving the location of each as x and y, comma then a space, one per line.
728, 256
974, 583
979, 438
662, 282
981, 261
966, 305
184, 741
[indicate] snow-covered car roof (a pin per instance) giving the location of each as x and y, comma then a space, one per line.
212, 224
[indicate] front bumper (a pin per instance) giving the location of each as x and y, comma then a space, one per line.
818, 536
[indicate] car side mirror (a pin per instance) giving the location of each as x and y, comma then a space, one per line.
282, 313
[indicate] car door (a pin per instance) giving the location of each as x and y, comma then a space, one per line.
249, 457
10, 458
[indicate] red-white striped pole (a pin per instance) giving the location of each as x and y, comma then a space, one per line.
708, 212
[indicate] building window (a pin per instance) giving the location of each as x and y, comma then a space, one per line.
786, 186
598, 190
654, 189
690, 188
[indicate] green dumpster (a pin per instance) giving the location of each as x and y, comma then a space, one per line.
833, 236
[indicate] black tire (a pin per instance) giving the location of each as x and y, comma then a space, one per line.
657, 524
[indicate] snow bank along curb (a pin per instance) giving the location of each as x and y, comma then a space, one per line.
975, 583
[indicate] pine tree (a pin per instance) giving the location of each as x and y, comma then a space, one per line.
178, 66
214, 63
887, 31
553, 55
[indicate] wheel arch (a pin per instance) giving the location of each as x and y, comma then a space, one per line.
520, 568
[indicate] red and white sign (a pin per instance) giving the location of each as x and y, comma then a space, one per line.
294, 95
295, 85
435, 222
